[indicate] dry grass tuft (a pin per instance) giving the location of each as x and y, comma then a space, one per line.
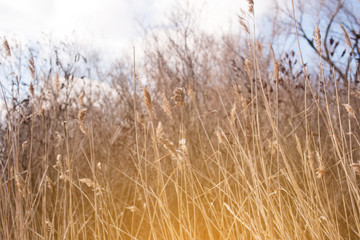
245, 157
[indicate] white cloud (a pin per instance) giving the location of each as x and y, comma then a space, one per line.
112, 24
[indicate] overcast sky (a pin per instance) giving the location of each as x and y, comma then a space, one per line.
113, 24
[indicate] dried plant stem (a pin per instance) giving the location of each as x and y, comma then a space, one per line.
135, 111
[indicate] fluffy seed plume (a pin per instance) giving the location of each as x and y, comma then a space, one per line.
23, 147
243, 23
159, 130
222, 139
298, 145
81, 98
347, 38
31, 66
31, 89
356, 167
21, 185
82, 114
168, 145
182, 146
88, 182
131, 208
166, 107
91, 184
7, 47
258, 47
251, 6
233, 115
310, 159
350, 110
356, 93
191, 93
49, 183
248, 68
179, 96
147, 100
321, 170
276, 64
317, 38
81, 117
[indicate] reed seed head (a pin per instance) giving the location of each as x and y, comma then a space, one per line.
276, 64
166, 107
317, 38
347, 38
243, 23
82, 114
31, 89
179, 96
350, 110
81, 98
248, 67
356, 167
32, 66
147, 100
321, 170
23, 147
7, 47
159, 131
251, 6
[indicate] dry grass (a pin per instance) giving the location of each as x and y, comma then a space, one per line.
247, 153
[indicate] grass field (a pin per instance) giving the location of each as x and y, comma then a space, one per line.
225, 141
